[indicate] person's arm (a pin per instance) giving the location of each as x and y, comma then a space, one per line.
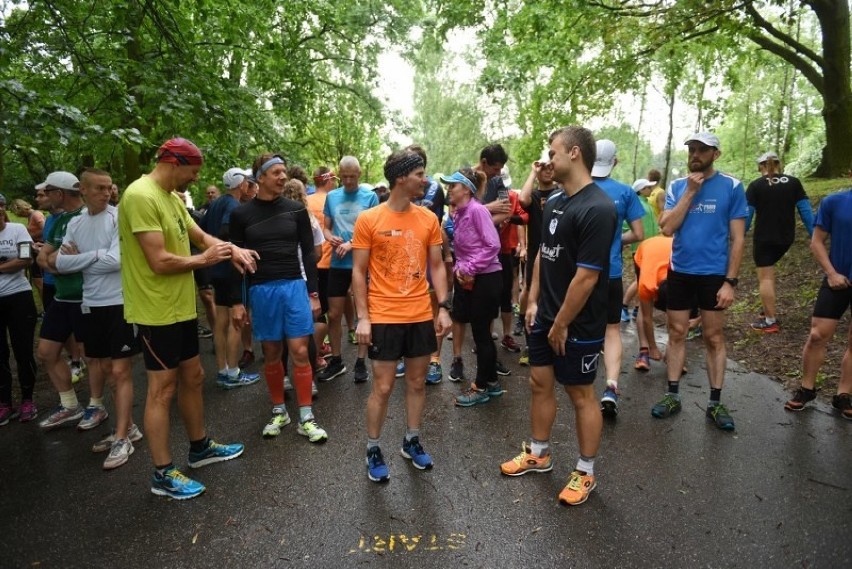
306, 244
532, 298
43, 258
439, 282
635, 234
360, 261
820, 252
806, 213
671, 219
109, 260
162, 262
68, 259
500, 211
736, 227
579, 291
525, 196
242, 259
488, 249
519, 214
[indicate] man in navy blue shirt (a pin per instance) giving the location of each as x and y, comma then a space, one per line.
705, 212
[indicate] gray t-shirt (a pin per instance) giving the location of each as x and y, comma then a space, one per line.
13, 283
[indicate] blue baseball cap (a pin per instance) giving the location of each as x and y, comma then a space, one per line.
459, 178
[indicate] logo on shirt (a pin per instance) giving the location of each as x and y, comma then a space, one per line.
704, 207
777, 180
553, 223
551, 253
391, 233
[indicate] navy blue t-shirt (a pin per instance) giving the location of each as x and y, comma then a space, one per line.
216, 222
576, 232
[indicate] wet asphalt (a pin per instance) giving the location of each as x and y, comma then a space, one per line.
671, 493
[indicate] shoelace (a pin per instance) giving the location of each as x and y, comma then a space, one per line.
177, 476
576, 481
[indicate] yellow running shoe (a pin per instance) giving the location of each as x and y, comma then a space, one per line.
527, 462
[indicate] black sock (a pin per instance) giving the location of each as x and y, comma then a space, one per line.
199, 445
644, 349
809, 392
674, 387
359, 361
161, 470
715, 395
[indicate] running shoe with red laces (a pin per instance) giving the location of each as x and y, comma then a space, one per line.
510, 345
761, 325
527, 462
578, 488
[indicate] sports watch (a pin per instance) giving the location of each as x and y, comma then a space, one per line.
733, 281
446, 304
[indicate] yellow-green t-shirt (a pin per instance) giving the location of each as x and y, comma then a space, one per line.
149, 298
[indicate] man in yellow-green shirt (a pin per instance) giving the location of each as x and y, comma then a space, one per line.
155, 231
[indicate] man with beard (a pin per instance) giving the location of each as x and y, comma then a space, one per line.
706, 213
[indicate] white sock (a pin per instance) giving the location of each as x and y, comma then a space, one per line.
69, 399
96, 402
612, 383
224, 371
769, 320
539, 448
586, 465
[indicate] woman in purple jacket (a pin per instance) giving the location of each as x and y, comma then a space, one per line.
478, 280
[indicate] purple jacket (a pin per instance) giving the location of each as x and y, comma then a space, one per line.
476, 241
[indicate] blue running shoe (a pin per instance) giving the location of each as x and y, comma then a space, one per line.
625, 315
472, 396
175, 485
609, 402
415, 453
241, 380
435, 374
215, 452
377, 470
400, 368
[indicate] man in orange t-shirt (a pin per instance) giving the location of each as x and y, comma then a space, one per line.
652, 259
394, 242
325, 181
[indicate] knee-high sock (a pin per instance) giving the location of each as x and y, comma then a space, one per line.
302, 377
274, 373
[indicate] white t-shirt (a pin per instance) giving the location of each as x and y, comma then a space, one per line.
99, 259
319, 239
13, 283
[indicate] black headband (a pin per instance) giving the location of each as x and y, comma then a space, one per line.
403, 167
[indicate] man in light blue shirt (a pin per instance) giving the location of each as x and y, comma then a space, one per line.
342, 207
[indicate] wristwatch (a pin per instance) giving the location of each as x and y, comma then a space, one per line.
733, 281
446, 304
313, 294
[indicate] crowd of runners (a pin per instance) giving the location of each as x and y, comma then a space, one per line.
283, 259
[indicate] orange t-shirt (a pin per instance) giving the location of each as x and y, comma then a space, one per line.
316, 205
653, 257
398, 242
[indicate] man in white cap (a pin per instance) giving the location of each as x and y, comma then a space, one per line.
227, 342
63, 317
629, 209
773, 199
705, 212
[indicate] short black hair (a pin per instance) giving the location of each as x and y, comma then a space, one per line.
494, 154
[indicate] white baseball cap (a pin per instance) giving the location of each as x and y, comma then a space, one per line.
233, 178
707, 138
641, 184
767, 156
604, 159
61, 180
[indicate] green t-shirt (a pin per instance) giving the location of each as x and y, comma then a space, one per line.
68, 287
149, 298
649, 223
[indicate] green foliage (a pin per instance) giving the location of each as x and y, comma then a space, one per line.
105, 82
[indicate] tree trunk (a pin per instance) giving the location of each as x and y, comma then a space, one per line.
638, 137
670, 99
837, 93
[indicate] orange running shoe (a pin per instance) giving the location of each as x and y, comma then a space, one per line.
527, 462
578, 489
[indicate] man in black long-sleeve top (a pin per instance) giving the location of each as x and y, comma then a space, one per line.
283, 304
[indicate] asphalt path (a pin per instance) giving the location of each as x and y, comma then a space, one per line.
671, 493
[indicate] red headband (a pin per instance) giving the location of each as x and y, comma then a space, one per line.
180, 151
